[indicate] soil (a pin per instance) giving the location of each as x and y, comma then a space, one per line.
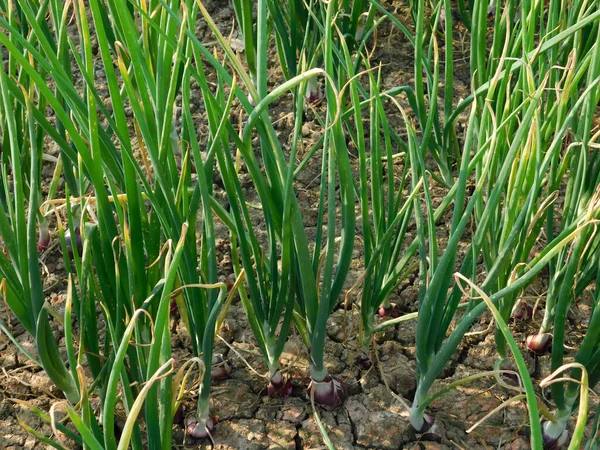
375, 414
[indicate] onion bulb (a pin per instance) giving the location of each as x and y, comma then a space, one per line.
199, 428
538, 343
425, 424
44, 238
78, 241
522, 311
220, 368
330, 392
313, 93
554, 436
388, 311
279, 385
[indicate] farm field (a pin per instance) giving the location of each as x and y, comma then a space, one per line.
300, 224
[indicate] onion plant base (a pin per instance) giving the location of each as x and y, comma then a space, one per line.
279, 385
538, 343
78, 241
329, 393
314, 92
220, 368
522, 312
388, 311
44, 239
422, 423
199, 428
554, 435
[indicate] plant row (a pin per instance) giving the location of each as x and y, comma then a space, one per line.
114, 88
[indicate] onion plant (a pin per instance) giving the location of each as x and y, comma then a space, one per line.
289, 283
315, 309
269, 292
269, 295
488, 156
127, 195
315, 305
385, 211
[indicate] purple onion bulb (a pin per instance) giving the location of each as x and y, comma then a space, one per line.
330, 392
220, 368
552, 436
313, 92
279, 385
78, 241
388, 311
44, 238
199, 428
538, 343
522, 311
422, 423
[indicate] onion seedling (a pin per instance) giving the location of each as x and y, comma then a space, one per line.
280, 206
315, 309
269, 295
